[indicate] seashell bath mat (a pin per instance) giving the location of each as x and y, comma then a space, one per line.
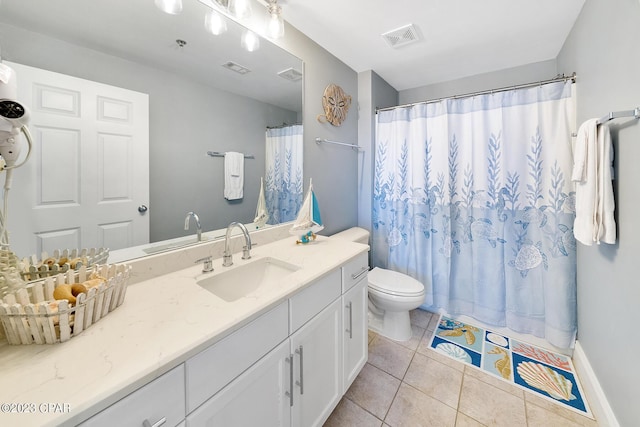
550, 375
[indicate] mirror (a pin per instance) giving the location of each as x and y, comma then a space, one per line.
196, 104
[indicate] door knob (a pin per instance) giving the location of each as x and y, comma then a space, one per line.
142, 208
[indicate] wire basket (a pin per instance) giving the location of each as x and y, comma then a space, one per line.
31, 315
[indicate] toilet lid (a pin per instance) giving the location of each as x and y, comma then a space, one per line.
394, 283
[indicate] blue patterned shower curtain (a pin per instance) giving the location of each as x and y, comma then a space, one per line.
473, 197
283, 169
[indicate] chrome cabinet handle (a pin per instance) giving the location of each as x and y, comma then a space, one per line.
300, 383
350, 330
158, 423
356, 276
289, 393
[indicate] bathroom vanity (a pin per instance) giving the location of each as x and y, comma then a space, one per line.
180, 353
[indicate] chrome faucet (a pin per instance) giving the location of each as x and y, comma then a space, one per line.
197, 220
227, 259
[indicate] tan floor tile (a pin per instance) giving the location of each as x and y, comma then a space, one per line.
421, 317
373, 390
414, 408
349, 414
490, 405
371, 335
581, 420
539, 417
490, 379
463, 420
435, 379
389, 356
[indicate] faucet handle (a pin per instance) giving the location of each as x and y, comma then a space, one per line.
246, 252
208, 264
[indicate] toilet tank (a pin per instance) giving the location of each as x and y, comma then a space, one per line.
354, 234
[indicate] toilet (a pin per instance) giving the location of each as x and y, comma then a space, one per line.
391, 295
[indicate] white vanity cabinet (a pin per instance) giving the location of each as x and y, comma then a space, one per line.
354, 304
159, 403
288, 367
316, 348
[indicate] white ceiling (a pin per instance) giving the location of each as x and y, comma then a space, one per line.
458, 38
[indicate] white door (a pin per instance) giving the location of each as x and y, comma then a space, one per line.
355, 349
258, 397
317, 367
89, 169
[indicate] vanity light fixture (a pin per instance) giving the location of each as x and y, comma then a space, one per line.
250, 41
275, 23
172, 7
215, 23
240, 8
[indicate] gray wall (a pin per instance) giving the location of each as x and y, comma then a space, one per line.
186, 119
333, 168
603, 49
509, 77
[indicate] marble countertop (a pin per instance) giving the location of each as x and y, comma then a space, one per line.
163, 321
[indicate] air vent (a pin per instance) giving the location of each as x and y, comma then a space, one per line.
290, 74
401, 36
236, 67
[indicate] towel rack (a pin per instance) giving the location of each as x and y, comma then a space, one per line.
219, 154
327, 141
635, 113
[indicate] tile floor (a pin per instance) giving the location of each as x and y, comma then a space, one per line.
409, 384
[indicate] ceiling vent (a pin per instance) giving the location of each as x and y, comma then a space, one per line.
401, 36
236, 67
290, 74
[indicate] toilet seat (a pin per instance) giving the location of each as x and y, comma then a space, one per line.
394, 283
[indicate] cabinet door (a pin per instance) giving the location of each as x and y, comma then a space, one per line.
317, 353
355, 350
258, 397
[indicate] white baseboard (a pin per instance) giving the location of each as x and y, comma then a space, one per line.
595, 395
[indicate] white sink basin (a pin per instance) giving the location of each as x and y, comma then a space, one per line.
242, 280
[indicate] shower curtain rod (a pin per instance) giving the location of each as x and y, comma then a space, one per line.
283, 125
219, 154
558, 78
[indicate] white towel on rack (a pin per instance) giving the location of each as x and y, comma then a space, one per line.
592, 174
233, 175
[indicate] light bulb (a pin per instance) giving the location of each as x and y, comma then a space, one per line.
172, 7
275, 26
240, 8
215, 23
250, 41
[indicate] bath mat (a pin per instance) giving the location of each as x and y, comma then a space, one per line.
548, 374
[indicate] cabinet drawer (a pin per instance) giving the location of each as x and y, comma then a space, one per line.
212, 369
310, 301
354, 271
163, 398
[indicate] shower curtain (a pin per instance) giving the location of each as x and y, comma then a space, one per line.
473, 197
283, 168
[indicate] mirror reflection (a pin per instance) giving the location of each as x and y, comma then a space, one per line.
163, 80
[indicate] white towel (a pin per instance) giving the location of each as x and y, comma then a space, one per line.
233, 175
595, 205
